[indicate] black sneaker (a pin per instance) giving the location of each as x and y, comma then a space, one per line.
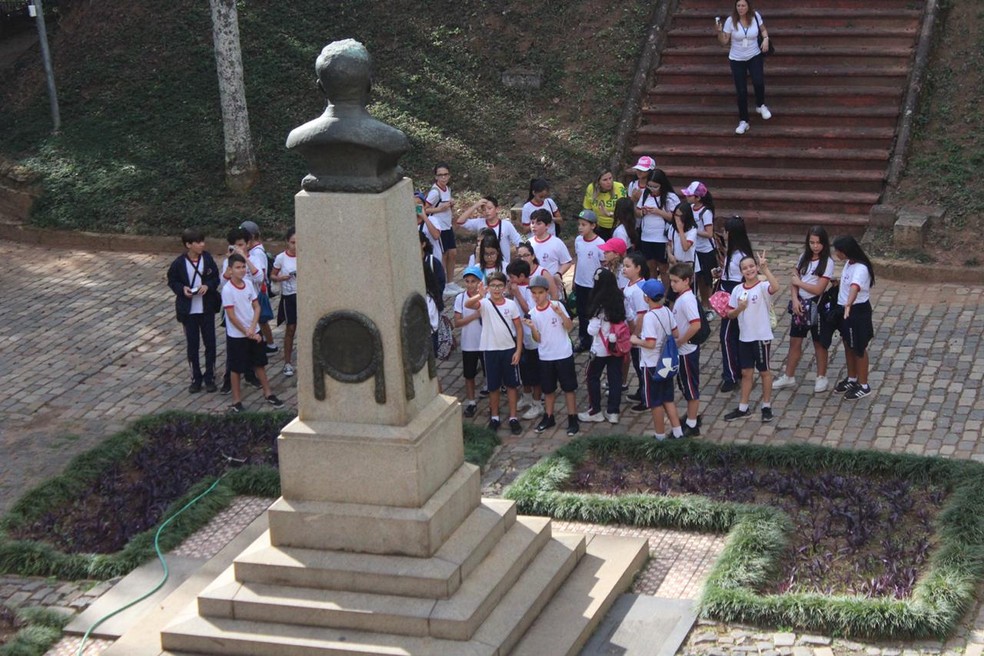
548, 421
272, 348
254, 381
195, 387
226, 389
274, 401
493, 424
469, 410
691, 431
235, 408
639, 407
737, 414
766, 414
637, 397
729, 386
210, 387
845, 386
573, 426
858, 392
514, 426
483, 393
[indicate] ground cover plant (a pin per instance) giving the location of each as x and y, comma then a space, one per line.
860, 544
29, 631
98, 519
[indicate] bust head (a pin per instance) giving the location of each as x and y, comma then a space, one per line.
345, 72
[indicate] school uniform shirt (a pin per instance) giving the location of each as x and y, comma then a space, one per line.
811, 277
686, 313
589, 257
524, 291
471, 333
744, 42
623, 234
258, 256
551, 253
705, 221
496, 335
654, 226
435, 197
732, 268
504, 231
635, 302
239, 300
754, 324
435, 242
599, 327
555, 343
657, 324
855, 274
531, 206
681, 255
287, 265
432, 312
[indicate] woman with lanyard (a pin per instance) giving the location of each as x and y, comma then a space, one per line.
600, 198
741, 30
487, 211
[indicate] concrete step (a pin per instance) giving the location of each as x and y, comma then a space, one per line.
803, 74
769, 134
817, 55
721, 91
814, 178
455, 617
743, 199
790, 36
812, 115
792, 222
748, 153
436, 577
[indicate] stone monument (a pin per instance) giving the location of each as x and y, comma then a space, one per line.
381, 542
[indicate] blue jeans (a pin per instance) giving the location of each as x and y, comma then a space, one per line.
739, 71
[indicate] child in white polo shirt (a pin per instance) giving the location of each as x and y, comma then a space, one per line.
550, 324
470, 323
587, 249
750, 303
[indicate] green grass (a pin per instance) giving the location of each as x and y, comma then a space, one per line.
141, 148
42, 628
757, 535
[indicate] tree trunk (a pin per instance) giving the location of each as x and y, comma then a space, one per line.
240, 163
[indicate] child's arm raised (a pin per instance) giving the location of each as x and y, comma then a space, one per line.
764, 267
473, 302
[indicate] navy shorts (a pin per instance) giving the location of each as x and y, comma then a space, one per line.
447, 240
857, 330
707, 261
688, 377
529, 367
656, 392
244, 354
287, 310
554, 371
653, 250
469, 364
499, 371
754, 354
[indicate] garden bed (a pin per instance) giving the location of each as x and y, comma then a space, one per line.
98, 519
850, 543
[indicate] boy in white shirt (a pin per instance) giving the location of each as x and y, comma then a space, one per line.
439, 206
238, 239
686, 312
518, 290
549, 325
750, 303
551, 251
658, 325
502, 345
244, 345
587, 248
487, 209
258, 259
470, 323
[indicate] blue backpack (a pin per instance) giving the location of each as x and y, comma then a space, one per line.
669, 357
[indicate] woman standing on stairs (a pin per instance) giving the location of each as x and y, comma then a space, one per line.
741, 29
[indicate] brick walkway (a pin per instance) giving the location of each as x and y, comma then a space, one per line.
89, 342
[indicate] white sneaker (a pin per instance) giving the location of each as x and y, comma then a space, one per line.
525, 401
288, 370
591, 418
536, 409
784, 381
742, 128
764, 111
659, 437
611, 418
820, 385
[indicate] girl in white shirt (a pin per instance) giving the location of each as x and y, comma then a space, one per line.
655, 208
854, 300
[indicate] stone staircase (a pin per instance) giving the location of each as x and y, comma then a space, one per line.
835, 87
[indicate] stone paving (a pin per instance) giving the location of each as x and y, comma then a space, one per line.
88, 343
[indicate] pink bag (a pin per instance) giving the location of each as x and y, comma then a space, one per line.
719, 301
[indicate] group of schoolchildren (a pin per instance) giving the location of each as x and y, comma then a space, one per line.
241, 291
635, 285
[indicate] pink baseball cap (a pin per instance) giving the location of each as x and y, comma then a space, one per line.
614, 245
696, 188
645, 163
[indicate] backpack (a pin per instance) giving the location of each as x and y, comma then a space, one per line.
705, 328
622, 344
669, 358
446, 343
269, 283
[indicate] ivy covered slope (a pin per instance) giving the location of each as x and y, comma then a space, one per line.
141, 149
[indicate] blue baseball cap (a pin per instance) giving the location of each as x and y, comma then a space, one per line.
474, 271
653, 288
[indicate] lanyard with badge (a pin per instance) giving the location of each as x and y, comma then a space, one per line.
744, 41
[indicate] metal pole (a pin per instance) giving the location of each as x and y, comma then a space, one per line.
48, 70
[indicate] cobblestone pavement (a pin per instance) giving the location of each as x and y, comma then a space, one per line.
88, 342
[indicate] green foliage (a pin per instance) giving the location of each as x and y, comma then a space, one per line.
758, 535
141, 148
43, 628
480, 443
